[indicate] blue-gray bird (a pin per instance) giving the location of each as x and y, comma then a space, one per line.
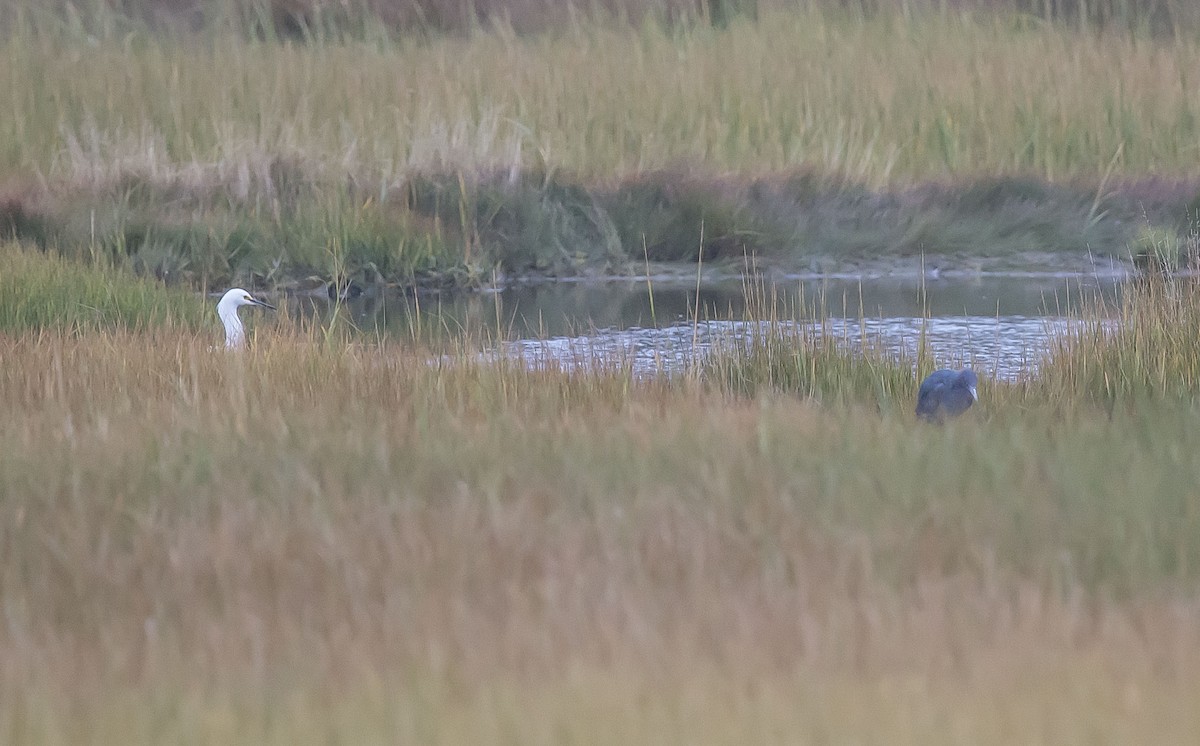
946, 393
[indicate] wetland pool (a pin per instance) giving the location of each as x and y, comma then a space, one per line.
999, 324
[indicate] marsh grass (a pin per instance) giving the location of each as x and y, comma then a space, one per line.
877, 102
360, 538
214, 158
790, 348
40, 290
335, 538
352, 539
1141, 347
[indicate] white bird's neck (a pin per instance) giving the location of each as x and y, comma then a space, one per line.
235, 335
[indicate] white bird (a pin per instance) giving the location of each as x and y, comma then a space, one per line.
227, 309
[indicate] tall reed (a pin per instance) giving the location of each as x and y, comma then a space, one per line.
877, 101
1146, 345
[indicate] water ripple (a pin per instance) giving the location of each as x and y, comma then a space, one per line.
1003, 347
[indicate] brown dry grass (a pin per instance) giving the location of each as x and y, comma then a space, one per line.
316, 542
880, 102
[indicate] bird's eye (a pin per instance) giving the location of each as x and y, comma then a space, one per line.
248, 298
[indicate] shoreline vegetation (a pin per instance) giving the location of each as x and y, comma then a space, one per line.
220, 151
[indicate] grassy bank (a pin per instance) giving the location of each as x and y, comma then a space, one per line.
40, 290
804, 137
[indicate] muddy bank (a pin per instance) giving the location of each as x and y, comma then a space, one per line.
280, 227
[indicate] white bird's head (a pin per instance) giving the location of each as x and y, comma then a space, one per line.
227, 310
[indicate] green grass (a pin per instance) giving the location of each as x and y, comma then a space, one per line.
43, 291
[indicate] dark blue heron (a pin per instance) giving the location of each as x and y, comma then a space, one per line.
946, 393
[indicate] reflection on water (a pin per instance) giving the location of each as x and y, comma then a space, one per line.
998, 324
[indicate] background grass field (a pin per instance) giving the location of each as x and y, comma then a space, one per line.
220, 156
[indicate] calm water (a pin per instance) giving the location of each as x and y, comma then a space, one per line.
999, 324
